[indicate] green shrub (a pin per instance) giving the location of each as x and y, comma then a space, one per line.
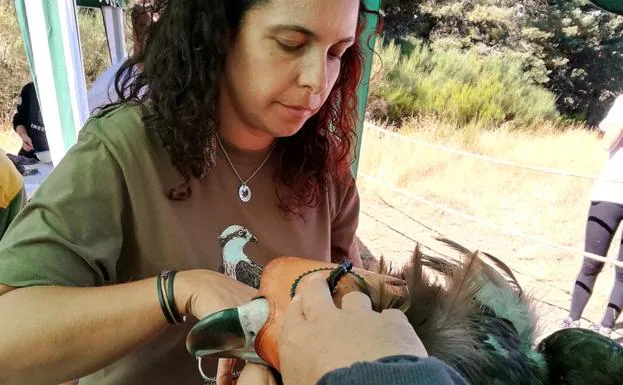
94, 46
461, 86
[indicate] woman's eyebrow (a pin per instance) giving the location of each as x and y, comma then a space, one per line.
305, 31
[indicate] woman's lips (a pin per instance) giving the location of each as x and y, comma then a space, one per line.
297, 112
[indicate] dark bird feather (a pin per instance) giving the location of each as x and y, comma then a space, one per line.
470, 314
582, 357
502, 268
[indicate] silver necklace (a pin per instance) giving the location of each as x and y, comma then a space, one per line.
244, 192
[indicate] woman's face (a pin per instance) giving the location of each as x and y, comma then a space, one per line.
283, 64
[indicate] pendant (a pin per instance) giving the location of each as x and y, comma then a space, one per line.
244, 192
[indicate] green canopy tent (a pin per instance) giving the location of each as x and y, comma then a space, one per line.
52, 40
615, 6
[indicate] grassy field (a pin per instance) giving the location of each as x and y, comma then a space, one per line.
549, 206
9, 141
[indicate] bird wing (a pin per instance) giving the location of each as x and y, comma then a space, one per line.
248, 273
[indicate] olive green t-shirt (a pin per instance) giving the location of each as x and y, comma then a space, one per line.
103, 217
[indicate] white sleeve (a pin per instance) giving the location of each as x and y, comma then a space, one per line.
103, 90
614, 119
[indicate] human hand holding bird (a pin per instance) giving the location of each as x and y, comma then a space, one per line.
351, 334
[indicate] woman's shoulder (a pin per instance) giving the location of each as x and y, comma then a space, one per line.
118, 127
125, 116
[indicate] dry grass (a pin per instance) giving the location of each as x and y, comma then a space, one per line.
548, 206
9, 141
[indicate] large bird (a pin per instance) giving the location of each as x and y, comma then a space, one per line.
236, 264
469, 312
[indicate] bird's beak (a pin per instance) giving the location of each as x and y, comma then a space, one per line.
253, 239
229, 333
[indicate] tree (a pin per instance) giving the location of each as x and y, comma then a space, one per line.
568, 46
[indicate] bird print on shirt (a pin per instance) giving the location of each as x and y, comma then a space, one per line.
236, 264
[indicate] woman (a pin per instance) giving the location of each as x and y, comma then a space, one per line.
231, 148
604, 216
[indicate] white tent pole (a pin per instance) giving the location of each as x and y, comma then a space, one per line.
114, 25
70, 38
46, 87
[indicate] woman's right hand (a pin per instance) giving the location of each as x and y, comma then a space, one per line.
202, 292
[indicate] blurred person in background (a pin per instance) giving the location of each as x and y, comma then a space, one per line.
604, 216
28, 123
103, 91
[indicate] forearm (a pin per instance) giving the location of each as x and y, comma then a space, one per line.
56, 334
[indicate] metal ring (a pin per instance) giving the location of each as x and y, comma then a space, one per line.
212, 380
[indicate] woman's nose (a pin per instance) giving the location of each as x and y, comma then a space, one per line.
314, 74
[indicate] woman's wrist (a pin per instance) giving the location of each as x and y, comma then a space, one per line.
166, 297
182, 292
185, 289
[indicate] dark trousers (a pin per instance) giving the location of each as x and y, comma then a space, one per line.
603, 220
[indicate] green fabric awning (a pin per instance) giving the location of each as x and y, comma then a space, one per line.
368, 44
615, 6
100, 3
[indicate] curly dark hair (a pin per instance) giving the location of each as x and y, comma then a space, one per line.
182, 64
